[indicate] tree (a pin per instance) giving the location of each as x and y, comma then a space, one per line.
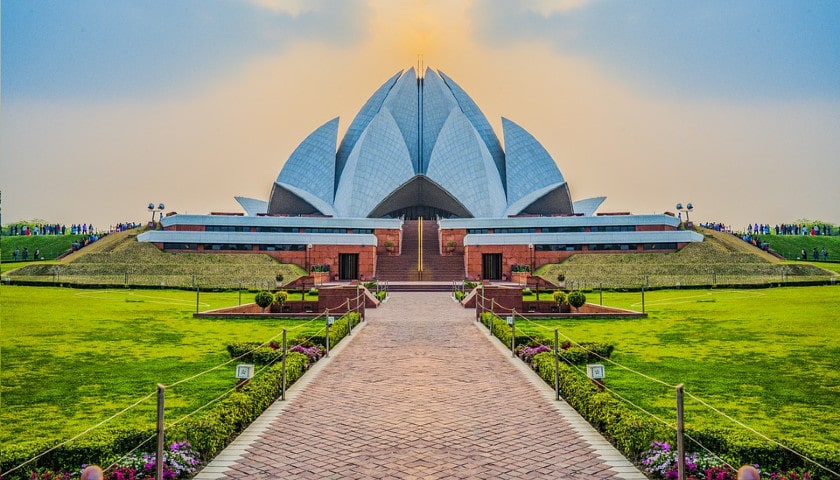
280, 297
264, 299
560, 298
576, 299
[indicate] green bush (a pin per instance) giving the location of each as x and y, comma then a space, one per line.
576, 299
280, 297
459, 295
632, 432
263, 299
381, 295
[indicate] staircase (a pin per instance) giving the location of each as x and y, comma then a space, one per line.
436, 267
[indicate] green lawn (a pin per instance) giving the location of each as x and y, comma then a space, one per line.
790, 246
767, 357
72, 358
50, 246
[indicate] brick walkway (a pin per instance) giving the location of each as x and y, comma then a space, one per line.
420, 392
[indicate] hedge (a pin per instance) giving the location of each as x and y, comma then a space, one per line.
208, 432
632, 431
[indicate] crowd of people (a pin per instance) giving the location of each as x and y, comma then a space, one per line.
50, 229
86, 230
789, 229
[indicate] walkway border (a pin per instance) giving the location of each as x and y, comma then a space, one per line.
623, 467
238, 448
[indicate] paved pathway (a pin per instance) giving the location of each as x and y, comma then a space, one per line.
420, 392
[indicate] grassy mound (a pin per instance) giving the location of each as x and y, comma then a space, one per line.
791, 246
720, 259
125, 261
50, 246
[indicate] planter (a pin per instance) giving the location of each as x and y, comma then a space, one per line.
520, 277
320, 277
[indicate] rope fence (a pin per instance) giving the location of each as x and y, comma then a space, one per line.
499, 311
352, 305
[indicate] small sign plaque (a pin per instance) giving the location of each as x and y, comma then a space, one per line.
595, 371
244, 371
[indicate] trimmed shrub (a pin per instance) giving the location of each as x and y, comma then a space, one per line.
576, 299
263, 299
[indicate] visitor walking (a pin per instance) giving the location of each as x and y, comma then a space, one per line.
16, 253
25, 253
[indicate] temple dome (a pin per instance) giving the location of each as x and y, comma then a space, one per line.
420, 146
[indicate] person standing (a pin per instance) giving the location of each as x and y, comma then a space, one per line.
25, 253
816, 255
37, 255
16, 253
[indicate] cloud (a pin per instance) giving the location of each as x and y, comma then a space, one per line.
747, 49
97, 49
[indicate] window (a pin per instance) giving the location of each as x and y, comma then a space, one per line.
472, 231
659, 246
367, 231
613, 246
562, 229
284, 247
553, 247
325, 230
613, 228
515, 230
228, 246
226, 228
278, 229
180, 246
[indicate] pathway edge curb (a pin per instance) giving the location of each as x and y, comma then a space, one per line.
624, 468
239, 446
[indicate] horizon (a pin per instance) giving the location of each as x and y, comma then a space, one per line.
107, 107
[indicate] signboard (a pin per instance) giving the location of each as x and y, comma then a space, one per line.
244, 371
595, 371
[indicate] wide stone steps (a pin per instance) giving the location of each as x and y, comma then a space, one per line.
404, 267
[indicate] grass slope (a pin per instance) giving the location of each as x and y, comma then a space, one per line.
720, 259
767, 357
790, 246
122, 259
79, 356
51, 246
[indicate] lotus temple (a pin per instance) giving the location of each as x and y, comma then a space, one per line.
420, 188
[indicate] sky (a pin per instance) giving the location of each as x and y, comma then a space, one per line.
107, 105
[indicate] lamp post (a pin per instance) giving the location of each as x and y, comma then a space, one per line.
687, 208
154, 209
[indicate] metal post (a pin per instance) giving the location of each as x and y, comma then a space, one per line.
125, 279
159, 457
601, 292
240, 293
643, 299
556, 366
680, 446
196, 298
283, 388
327, 336
513, 334
192, 282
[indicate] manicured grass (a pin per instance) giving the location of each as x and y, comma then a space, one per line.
767, 357
790, 246
121, 260
72, 358
50, 246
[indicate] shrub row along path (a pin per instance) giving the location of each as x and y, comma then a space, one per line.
420, 391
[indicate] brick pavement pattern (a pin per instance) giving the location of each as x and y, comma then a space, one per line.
420, 392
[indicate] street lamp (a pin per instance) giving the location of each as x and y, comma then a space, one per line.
152, 208
688, 207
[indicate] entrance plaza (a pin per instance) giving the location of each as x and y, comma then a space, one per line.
420, 391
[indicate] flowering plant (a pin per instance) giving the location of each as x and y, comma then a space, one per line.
313, 353
320, 268
526, 353
49, 475
179, 461
661, 461
520, 268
